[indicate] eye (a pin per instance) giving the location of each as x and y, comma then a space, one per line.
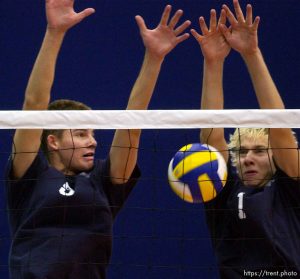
260, 150
80, 133
243, 152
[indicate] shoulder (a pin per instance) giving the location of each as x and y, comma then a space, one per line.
19, 190
281, 177
37, 166
286, 187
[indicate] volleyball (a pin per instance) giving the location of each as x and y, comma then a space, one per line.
197, 173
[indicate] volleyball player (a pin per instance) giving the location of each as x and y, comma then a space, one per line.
62, 205
255, 221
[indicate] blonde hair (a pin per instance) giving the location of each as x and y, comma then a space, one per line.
234, 144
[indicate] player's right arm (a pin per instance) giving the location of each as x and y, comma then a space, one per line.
158, 42
60, 17
214, 49
243, 37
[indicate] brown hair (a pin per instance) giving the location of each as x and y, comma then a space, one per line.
61, 104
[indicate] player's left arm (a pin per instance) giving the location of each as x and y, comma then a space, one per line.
282, 140
214, 49
158, 43
242, 36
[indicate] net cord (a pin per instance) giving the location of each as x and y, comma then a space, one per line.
150, 119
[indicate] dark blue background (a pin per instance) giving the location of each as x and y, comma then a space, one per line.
156, 235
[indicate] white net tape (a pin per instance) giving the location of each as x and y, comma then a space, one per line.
150, 119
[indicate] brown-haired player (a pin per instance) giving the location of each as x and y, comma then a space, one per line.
61, 210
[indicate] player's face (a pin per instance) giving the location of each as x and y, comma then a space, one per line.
254, 161
77, 150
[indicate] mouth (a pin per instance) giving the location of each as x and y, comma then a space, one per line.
89, 155
250, 173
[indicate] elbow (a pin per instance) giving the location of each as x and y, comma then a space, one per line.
31, 103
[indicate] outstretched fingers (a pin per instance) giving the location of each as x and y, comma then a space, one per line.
222, 18
230, 16
213, 20
256, 23
238, 11
225, 31
162, 39
174, 20
249, 18
203, 27
141, 23
166, 15
182, 38
214, 24
196, 35
182, 27
249, 14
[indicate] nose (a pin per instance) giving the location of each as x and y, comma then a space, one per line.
92, 141
248, 159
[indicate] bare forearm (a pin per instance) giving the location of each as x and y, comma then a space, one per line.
212, 89
144, 86
264, 86
123, 154
39, 86
212, 98
125, 144
141, 94
212, 94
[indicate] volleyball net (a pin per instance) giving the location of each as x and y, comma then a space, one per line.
156, 234
150, 119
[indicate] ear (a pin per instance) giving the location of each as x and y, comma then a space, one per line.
52, 143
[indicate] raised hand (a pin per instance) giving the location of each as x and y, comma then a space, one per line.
212, 42
161, 40
61, 15
242, 34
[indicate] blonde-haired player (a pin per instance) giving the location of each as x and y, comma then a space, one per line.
255, 221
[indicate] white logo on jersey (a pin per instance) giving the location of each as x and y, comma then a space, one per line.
66, 190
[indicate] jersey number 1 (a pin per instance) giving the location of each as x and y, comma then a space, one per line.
242, 214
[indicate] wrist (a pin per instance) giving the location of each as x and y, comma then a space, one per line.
214, 63
150, 57
251, 55
56, 32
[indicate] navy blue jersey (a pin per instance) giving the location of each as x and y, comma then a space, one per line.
256, 230
62, 225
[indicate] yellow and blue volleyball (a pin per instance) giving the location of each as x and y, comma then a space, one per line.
197, 173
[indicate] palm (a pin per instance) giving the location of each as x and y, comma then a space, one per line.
242, 35
212, 42
160, 40
243, 39
214, 46
61, 14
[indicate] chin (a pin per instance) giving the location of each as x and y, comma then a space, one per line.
256, 183
88, 168
84, 168
252, 182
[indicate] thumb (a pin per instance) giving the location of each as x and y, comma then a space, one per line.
225, 31
141, 23
196, 35
85, 13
